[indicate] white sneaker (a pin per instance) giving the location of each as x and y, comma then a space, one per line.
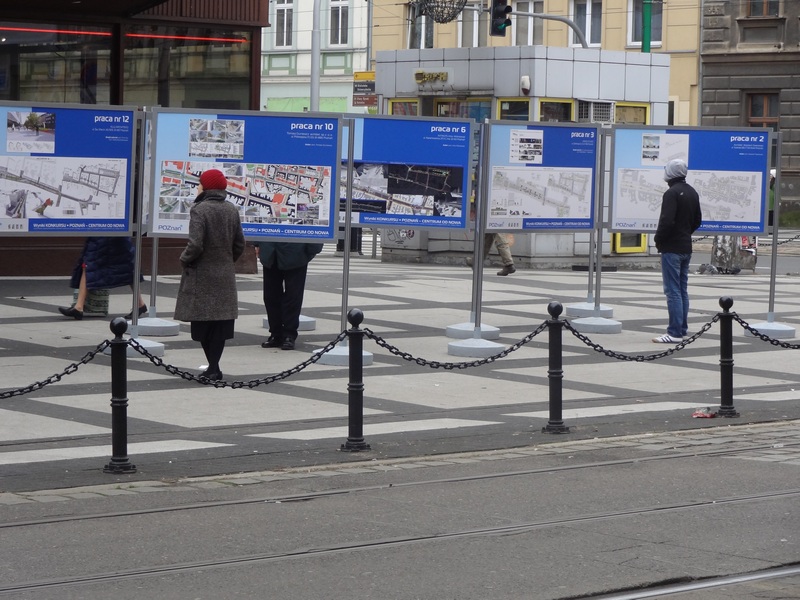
667, 339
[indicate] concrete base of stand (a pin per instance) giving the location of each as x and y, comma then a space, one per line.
340, 357
777, 331
306, 323
463, 331
589, 309
474, 348
154, 348
157, 327
596, 325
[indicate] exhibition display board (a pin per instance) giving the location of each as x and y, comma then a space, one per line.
66, 170
542, 176
409, 172
281, 169
728, 167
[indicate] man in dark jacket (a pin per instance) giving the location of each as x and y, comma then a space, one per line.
285, 265
680, 217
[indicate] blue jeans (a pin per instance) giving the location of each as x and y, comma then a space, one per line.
675, 275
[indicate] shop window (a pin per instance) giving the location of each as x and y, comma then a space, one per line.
528, 31
408, 108
588, 17
514, 110
635, 13
178, 71
555, 111
763, 8
66, 63
464, 109
631, 113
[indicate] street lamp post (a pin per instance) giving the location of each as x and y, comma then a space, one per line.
315, 43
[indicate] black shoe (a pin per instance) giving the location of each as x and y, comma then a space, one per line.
287, 344
71, 312
142, 310
272, 342
211, 376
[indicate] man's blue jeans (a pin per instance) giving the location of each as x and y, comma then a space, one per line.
675, 275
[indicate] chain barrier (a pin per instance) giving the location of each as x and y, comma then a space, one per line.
173, 370
764, 337
88, 357
640, 357
449, 366
768, 241
433, 364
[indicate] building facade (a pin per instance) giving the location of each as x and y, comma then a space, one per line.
614, 25
751, 77
286, 63
200, 54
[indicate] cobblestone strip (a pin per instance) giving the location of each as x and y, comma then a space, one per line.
782, 441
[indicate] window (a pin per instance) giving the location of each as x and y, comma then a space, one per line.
630, 113
339, 22
762, 110
404, 107
528, 31
283, 23
635, 21
473, 27
477, 109
514, 110
763, 8
558, 111
588, 16
420, 33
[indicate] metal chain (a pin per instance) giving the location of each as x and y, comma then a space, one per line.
88, 357
433, 364
236, 384
640, 357
763, 337
768, 242
449, 366
765, 242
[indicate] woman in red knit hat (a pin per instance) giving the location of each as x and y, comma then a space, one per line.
207, 294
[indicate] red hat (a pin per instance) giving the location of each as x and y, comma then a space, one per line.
213, 179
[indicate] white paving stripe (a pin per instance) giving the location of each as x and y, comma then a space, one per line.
769, 396
34, 456
376, 429
602, 411
23, 426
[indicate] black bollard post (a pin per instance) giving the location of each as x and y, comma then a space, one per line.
726, 359
355, 386
119, 401
555, 373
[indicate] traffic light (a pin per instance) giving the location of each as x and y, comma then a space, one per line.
500, 20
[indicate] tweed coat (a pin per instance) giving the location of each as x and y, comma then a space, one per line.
208, 284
